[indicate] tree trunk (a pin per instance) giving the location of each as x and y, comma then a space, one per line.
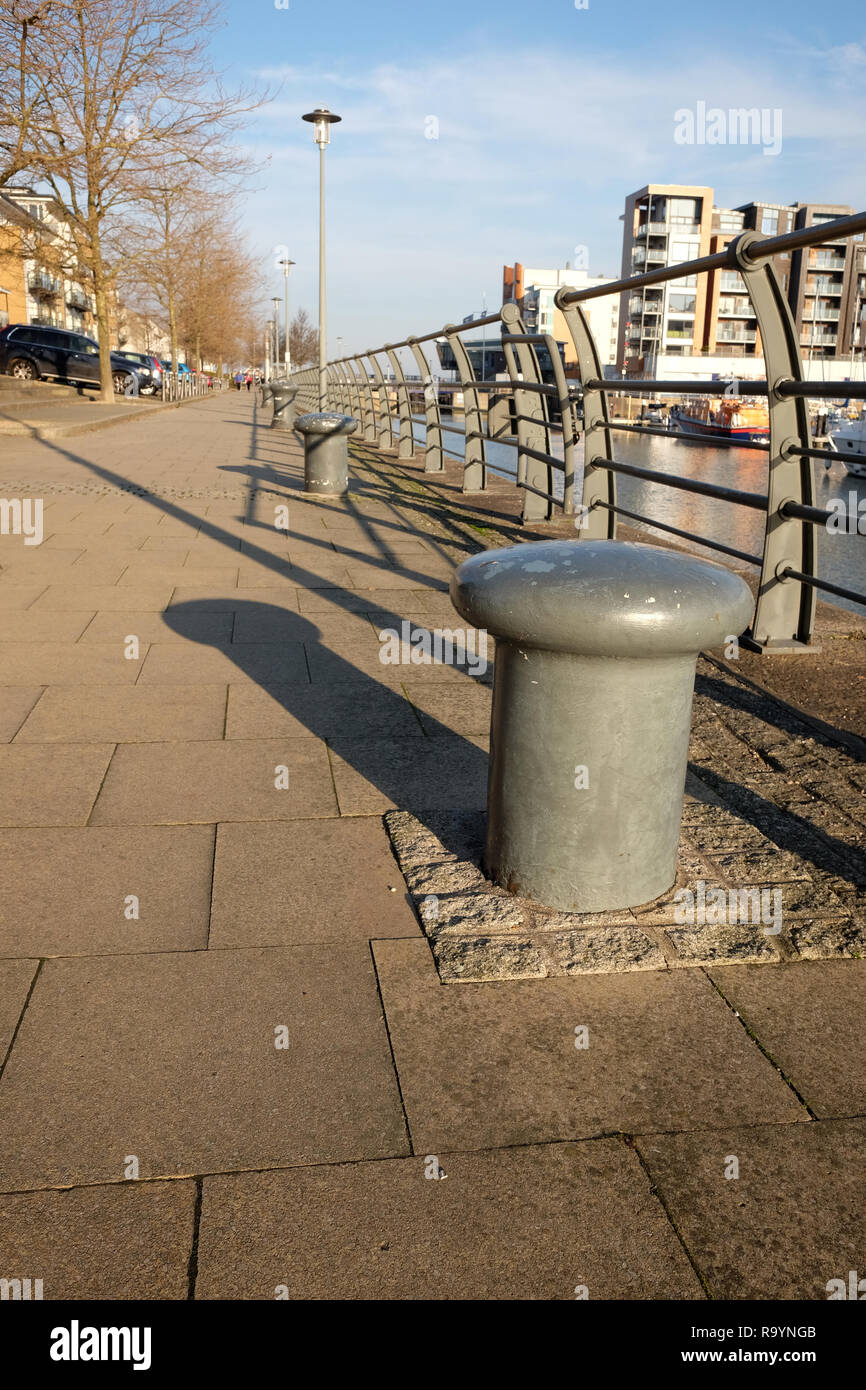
103, 324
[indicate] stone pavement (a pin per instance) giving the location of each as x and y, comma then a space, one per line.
230, 1068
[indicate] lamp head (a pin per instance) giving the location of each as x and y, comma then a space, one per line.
322, 119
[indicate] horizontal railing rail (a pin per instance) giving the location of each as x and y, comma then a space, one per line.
535, 402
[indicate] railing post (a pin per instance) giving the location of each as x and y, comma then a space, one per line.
532, 418
365, 397
785, 611
353, 395
599, 485
384, 432
434, 460
475, 458
406, 447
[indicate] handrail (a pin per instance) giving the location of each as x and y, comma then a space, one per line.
520, 411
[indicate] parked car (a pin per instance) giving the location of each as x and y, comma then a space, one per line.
30, 351
181, 366
149, 368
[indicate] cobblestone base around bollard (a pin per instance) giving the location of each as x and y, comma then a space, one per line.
480, 932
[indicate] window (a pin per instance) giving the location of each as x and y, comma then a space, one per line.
769, 222
682, 303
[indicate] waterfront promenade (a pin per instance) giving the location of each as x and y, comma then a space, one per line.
230, 1068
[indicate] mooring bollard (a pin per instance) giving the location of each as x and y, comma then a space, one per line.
326, 450
596, 648
284, 405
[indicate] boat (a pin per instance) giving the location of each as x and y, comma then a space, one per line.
849, 441
728, 418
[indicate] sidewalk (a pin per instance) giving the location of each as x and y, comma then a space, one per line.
231, 1069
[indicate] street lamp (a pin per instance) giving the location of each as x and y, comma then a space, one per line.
287, 357
269, 333
276, 321
322, 119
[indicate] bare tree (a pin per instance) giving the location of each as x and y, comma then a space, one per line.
303, 340
105, 98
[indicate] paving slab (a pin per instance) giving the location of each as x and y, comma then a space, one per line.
811, 1019
136, 714
465, 708
482, 1065
154, 627
792, 1221
39, 626
16, 977
17, 597
16, 702
312, 881
110, 598
95, 891
214, 598
386, 1231
68, 663
185, 783
50, 785
297, 711
173, 663
376, 775
106, 1064
129, 1241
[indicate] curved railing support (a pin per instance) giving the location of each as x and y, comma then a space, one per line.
384, 431
785, 611
434, 458
475, 458
594, 522
406, 447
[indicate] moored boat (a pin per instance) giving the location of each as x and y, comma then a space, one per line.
728, 418
849, 441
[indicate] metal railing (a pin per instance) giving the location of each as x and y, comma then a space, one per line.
525, 411
179, 386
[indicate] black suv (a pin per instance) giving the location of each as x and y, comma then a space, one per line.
29, 351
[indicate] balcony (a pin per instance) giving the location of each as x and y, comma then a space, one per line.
736, 308
77, 299
730, 280
39, 282
745, 335
826, 262
824, 287
820, 311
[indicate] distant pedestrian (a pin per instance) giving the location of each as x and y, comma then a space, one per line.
249, 380
239, 379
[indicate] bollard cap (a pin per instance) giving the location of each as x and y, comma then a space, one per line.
326, 422
602, 598
282, 388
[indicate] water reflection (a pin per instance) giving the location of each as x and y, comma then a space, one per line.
841, 556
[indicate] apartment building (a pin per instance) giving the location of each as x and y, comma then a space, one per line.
663, 224
53, 283
16, 227
822, 278
711, 314
534, 291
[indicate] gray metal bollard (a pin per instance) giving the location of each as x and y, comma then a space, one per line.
597, 643
284, 405
326, 450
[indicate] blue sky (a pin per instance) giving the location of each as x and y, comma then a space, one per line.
548, 115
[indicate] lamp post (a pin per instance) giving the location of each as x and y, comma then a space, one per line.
322, 119
269, 332
287, 356
276, 322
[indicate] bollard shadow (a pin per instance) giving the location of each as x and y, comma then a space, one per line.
420, 766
